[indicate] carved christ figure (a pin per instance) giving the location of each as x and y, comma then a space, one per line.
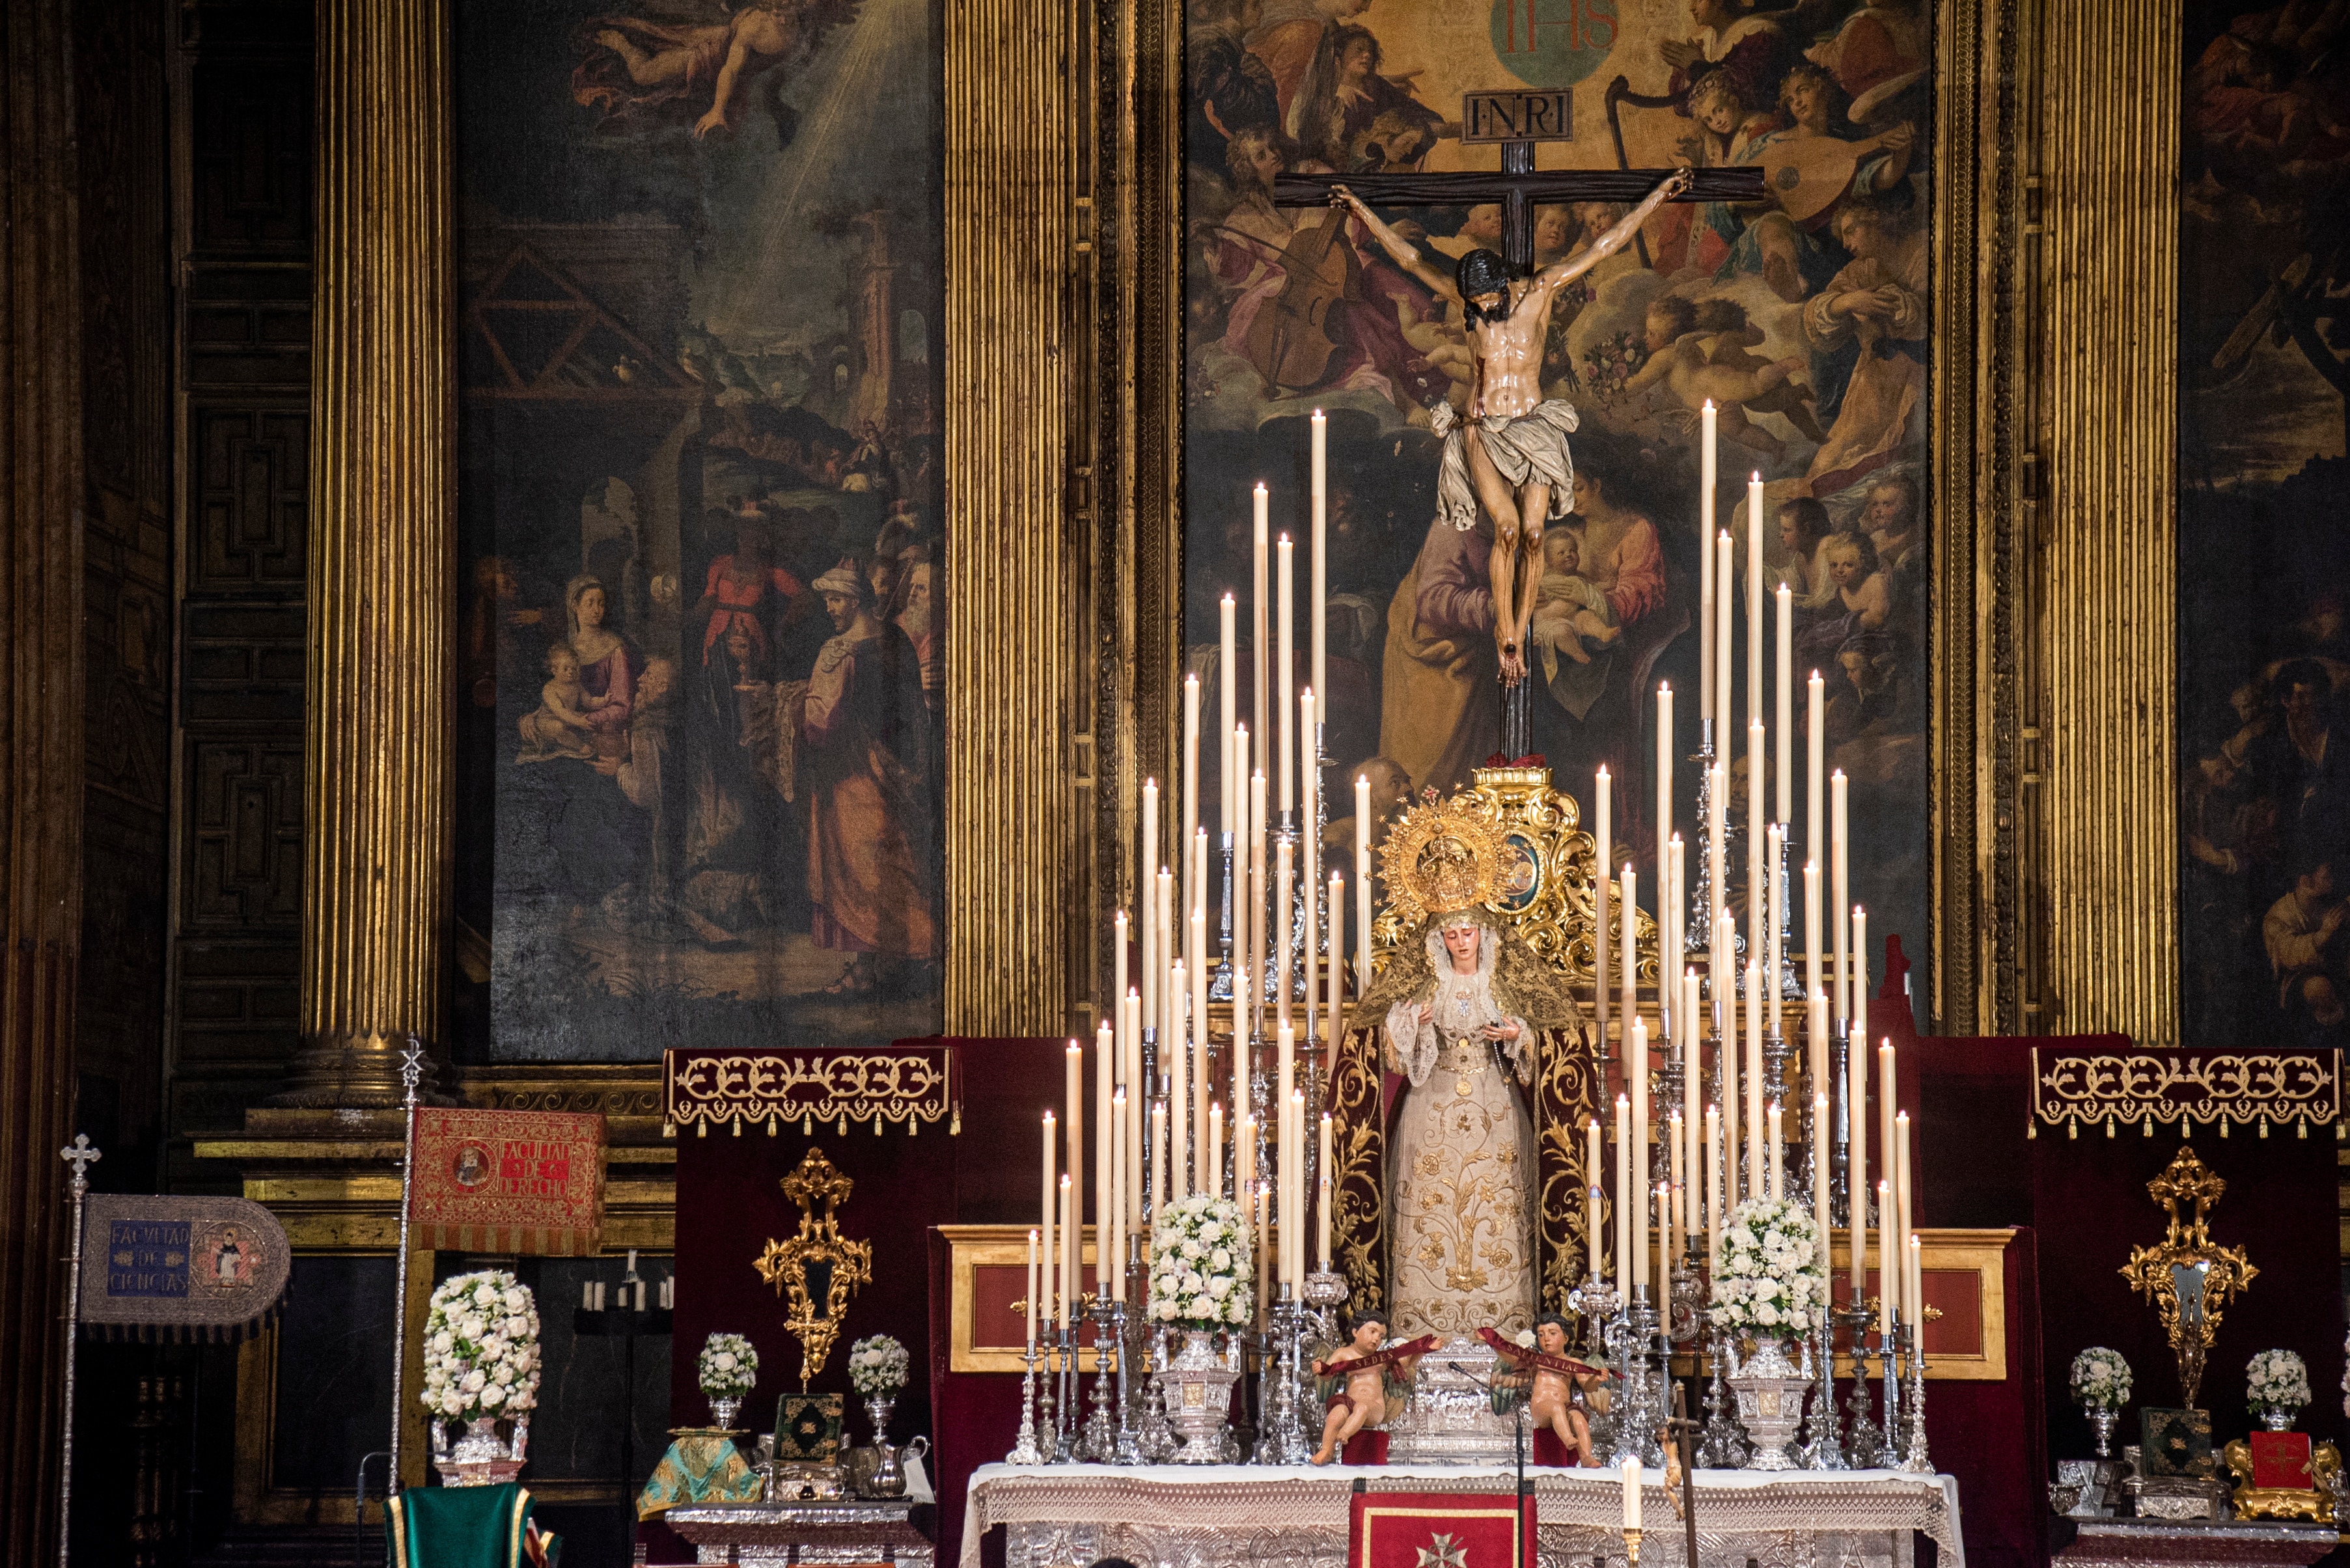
1508, 449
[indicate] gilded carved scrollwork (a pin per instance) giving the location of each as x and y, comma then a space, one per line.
1544, 889
1567, 1091
2189, 1277
1358, 1169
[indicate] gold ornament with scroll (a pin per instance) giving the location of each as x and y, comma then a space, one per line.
1514, 847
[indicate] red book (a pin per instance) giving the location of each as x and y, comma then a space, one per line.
2281, 1459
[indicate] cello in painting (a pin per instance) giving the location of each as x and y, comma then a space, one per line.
1293, 338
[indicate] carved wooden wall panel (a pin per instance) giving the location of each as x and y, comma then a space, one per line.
243, 95
123, 189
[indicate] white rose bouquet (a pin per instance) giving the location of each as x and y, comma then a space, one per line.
728, 1366
1770, 1275
2101, 1379
1200, 1266
877, 1365
481, 1347
2276, 1380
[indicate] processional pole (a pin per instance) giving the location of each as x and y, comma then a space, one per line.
411, 1071
79, 1155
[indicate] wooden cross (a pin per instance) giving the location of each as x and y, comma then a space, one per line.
1518, 185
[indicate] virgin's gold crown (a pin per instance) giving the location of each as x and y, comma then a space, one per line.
1442, 855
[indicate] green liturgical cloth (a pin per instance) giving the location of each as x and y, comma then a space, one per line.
701, 1465
465, 1527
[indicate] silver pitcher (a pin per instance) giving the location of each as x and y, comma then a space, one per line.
880, 1470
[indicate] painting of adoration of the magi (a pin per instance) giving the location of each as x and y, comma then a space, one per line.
699, 738
2263, 557
1804, 317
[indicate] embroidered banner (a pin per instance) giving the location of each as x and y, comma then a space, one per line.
179, 1268
2299, 1089
901, 1083
508, 1181
1441, 1530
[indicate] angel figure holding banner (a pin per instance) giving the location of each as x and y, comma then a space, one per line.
1465, 1001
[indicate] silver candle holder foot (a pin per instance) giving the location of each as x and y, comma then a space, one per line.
1024, 1452
1725, 1446
1823, 1447
1914, 1459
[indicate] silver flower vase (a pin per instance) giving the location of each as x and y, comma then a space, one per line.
1770, 1389
2101, 1423
480, 1456
2277, 1417
723, 1408
1196, 1389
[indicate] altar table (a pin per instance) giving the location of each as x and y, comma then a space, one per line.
2179, 1543
839, 1533
1295, 1516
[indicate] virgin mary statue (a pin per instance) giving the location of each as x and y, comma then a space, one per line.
1465, 1003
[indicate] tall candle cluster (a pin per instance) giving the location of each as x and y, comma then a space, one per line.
1716, 1152
1163, 1082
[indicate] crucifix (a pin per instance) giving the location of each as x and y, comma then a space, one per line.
1684, 1436
1507, 454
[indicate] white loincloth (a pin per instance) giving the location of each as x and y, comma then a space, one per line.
1522, 447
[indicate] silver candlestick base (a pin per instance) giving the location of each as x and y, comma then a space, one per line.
1282, 1440
1634, 1338
1864, 1443
1154, 1434
1102, 1427
1914, 1459
1047, 1407
1893, 1397
1024, 1452
1725, 1446
1823, 1447
1067, 1430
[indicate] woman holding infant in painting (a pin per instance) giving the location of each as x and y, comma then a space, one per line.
584, 708
607, 670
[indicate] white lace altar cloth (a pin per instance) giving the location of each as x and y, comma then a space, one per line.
1295, 1516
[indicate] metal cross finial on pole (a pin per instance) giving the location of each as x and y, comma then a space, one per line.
80, 1154
412, 1073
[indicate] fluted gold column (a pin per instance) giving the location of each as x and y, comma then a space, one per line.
1017, 640
382, 509
1983, 57
41, 665
2107, 315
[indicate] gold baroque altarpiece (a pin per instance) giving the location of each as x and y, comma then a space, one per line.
2053, 416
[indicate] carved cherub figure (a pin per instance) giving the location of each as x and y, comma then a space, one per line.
1362, 1399
1562, 1389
